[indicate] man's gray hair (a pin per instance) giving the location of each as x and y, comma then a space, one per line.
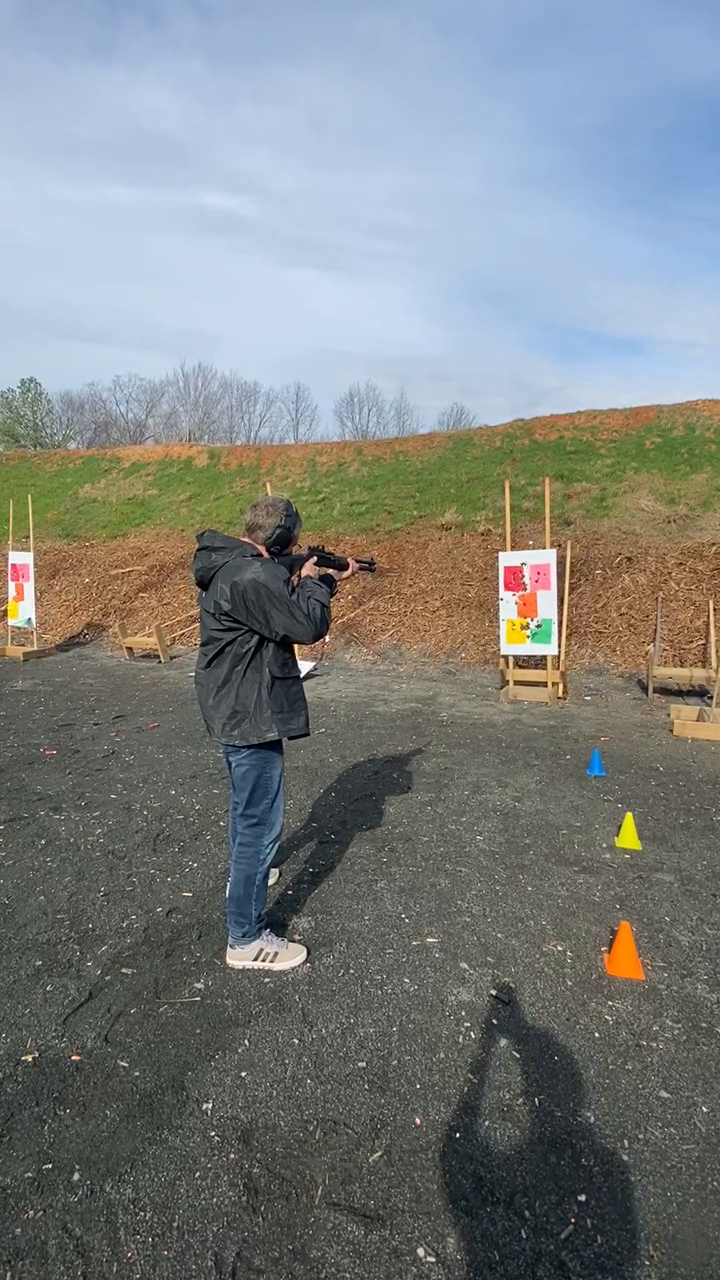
264, 516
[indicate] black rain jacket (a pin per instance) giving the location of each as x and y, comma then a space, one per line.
251, 614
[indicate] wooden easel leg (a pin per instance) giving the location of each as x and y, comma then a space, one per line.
711, 635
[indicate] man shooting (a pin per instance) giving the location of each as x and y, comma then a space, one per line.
252, 613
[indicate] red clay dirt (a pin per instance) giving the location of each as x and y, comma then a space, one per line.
435, 594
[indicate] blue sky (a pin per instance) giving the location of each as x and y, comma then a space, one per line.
507, 202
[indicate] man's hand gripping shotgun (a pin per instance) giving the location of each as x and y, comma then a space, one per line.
324, 560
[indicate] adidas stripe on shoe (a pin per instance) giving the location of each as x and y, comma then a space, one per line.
267, 952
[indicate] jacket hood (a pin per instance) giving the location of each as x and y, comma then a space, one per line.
213, 551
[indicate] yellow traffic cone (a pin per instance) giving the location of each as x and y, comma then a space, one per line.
627, 837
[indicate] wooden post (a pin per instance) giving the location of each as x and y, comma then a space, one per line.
655, 650
508, 547
548, 660
711, 636
563, 629
10, 547
32, 553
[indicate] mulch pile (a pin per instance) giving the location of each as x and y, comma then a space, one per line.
433, 593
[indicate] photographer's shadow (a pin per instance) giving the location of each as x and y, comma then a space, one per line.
353, 803
561, 1203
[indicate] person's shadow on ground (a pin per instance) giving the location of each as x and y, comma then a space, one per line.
353, 803
560, 1206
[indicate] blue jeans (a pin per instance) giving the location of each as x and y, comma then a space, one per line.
257, 810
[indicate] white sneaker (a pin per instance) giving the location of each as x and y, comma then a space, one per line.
267, 952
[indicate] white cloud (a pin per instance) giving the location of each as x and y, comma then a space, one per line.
467, 198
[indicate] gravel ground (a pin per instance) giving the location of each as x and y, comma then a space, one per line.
379, 1113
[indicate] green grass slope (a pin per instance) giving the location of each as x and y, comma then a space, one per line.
654, 468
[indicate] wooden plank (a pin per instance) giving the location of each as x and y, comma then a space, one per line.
162, 644
706, 731
566, 602
685, 675
21, 653
679, 711
32, 553
141, 642
533, 675
694, 715
122, 637
525, 693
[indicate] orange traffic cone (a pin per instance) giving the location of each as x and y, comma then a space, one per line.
622, 960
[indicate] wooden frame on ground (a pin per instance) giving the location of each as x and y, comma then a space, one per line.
23, 652
703, 677
697, 722
533, 684
153, 641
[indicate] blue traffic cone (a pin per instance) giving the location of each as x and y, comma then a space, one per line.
596, 768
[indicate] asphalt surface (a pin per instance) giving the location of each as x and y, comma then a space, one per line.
379, 1113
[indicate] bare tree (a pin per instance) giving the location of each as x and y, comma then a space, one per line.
455, 417
194, 398
71, 414
361, 412
403, 417
249, 412
299, 413
130, 410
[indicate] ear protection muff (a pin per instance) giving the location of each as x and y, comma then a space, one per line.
283, 536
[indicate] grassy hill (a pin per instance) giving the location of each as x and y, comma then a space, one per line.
638, 490
655, 469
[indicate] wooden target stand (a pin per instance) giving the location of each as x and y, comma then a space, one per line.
704, 677
24, 652
534, 684
697, 722
158, 639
